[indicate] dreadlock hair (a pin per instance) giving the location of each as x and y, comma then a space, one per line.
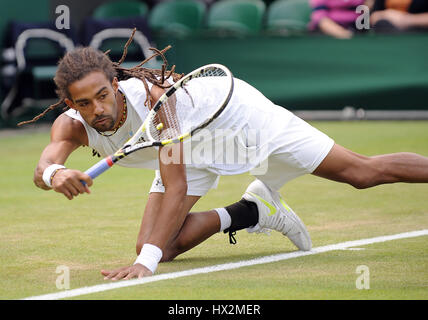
78, 63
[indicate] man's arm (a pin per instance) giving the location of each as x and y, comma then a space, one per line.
67, 135
171, 214
165, 225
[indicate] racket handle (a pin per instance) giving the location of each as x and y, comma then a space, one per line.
98, 168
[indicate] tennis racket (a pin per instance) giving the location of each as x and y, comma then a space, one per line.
188, 106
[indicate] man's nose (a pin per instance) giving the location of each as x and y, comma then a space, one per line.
98, 108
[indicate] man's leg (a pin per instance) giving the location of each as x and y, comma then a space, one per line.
362, 172
197, 226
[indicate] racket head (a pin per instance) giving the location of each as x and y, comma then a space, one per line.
192, 103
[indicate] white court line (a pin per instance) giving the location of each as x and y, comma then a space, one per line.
222, 267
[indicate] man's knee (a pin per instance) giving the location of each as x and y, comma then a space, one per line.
168, 254
364, 174
360, 182
343, 165
172, 250
138, 247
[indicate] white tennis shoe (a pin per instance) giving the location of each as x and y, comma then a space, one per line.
275, 214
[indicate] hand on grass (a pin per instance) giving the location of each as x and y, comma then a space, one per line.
125, 273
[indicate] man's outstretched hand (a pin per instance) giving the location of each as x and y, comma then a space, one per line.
125, 273
69, 183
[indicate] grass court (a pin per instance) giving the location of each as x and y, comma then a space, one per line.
40, 230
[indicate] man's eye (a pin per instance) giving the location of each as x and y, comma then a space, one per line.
102, 97
83, 104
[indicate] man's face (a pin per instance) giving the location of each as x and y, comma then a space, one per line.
94, 96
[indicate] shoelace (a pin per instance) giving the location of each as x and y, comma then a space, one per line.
277, 220
232, 239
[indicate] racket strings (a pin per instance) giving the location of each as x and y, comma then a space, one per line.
191, 105
165, 124
213, 72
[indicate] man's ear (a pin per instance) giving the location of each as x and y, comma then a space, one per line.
69, 103
115, 85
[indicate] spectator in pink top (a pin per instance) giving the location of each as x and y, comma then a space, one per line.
334, 17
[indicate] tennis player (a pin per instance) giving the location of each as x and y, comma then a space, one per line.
108, 103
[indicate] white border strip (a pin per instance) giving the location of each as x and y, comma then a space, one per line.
222, 267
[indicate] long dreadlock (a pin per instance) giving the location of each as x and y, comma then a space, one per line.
76, 71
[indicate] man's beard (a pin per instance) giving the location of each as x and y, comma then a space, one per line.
106, 125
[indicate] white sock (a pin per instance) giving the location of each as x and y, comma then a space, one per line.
225, 219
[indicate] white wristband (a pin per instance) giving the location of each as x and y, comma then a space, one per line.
49, 171
149, 257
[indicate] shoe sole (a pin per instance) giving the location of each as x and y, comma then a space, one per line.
305, 238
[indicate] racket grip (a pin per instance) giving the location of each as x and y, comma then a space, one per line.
98, 168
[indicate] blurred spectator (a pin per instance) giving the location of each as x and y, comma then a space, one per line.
400, 15
335, 17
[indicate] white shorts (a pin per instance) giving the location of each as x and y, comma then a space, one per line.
199, 182
300, 152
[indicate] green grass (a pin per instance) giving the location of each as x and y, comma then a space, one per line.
41, 230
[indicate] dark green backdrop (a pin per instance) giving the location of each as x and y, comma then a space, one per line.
316, 72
